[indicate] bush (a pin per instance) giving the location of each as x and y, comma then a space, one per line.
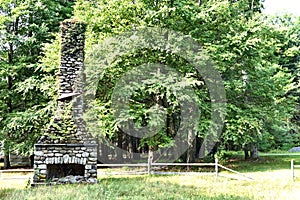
208, 159
224, 155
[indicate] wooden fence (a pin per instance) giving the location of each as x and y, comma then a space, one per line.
150, 169
293, 167
150, 165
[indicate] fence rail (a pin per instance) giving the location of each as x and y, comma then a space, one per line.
123, 165
293, 167
150, 170
150, 166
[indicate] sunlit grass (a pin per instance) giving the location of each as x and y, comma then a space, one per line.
266, 185
271, 174
14, 180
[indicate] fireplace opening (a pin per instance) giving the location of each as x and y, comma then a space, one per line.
63, 170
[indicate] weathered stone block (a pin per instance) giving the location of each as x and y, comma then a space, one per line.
42, 166
39, 153
78, 155
85, 154
93, 154
88, 166
92, 171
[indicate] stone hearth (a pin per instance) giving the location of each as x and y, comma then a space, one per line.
67, 153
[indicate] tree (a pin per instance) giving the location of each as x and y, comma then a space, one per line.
243, 46
288, 55
244, 50
239, 41
133, 16
24, 28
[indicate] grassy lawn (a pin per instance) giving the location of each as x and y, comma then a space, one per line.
266, 162
271, 174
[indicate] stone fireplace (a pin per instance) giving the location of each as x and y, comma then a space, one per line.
66, 153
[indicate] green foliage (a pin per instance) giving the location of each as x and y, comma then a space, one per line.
244, 51
65, 124
239, 40
257, 58
26, 90
208, 159
224, 155
23, 129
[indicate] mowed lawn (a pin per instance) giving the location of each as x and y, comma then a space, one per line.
271, 174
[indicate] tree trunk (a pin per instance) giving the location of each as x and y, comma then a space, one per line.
191, 151
10, 108
120, 142
254, 152
6, 161
9, 103
200, 147
6, 155
134, 142
214, 150
104, 152
246, 152
126, 143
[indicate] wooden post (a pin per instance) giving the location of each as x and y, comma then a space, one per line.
216, 166
292, 168
150, 158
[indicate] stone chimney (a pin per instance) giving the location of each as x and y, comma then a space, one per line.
67, 153
71, 71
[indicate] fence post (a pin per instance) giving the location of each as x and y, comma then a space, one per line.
150, 158
216, 166
292, 168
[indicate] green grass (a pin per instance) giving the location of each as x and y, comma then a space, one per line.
266, 162
271, 174
141, 187
265, 186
